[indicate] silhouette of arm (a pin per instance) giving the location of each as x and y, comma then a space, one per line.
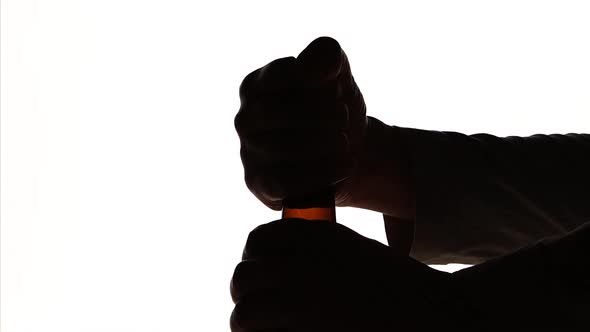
542, 287
481, 196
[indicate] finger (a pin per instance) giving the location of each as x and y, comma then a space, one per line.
296, 237
277, 75
323, 61
302, 238
251, 276
294, 180
316, 147
276, 309
279, 112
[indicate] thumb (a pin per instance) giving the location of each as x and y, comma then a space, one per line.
323, 60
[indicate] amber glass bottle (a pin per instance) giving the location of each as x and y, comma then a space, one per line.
312, 207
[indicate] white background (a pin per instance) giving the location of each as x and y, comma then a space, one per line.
123, 202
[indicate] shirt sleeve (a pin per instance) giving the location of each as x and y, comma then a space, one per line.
481, 196
541, 287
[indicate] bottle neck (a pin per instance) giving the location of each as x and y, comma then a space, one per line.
314, 206
313, 213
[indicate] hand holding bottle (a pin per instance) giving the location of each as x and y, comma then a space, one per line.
301, 123
299, 275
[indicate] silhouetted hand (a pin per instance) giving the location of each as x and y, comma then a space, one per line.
301, 124
306, 276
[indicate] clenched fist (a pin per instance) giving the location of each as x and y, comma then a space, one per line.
302, 125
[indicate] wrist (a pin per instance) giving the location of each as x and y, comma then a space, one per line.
382, 180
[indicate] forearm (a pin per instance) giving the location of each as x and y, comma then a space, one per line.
543, 287
481, 196
382, 180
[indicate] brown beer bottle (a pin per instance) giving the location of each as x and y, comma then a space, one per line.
317, 206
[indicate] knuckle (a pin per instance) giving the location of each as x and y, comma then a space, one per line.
277, 74
239, 121
242, 270
267, 195
237, 318
255, 236
247, 87
259, 240
238, 282
251, 243
277, 67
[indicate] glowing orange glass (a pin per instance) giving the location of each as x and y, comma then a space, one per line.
314, 213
